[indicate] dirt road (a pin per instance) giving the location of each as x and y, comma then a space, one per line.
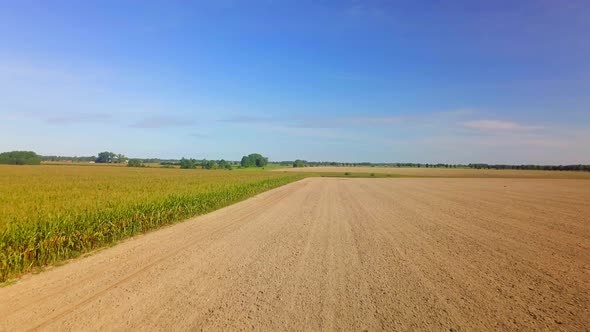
346, 254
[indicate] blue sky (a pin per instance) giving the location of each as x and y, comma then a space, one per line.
380, 81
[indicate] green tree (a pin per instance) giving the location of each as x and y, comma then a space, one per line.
298, 163
261, 161
254, 160
20, 158
135, 163
210, 164
188, 163
225, 165
246, 162
106, 157
222, 163
120, 158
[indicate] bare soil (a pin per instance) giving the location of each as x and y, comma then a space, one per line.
345, 254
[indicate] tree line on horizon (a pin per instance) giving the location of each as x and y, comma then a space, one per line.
185, 163
251, 160
304, 163
579, 167
255, 160
20, 158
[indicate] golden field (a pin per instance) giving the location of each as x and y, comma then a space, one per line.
49, 213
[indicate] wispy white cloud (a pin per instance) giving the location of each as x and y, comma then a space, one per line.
316, 122
72, 118
499, 125
156, 122
559, 145
374, 120
200, 135
351, 121
61, 118
348, 121
310, 132
249, 119
459, 112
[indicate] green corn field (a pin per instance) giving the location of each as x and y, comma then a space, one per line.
50, 213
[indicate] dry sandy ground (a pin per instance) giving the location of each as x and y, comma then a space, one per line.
445, 172
338, 254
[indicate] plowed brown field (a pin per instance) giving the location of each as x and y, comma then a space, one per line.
329, 253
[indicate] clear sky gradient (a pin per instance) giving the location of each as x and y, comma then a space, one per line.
380, 81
